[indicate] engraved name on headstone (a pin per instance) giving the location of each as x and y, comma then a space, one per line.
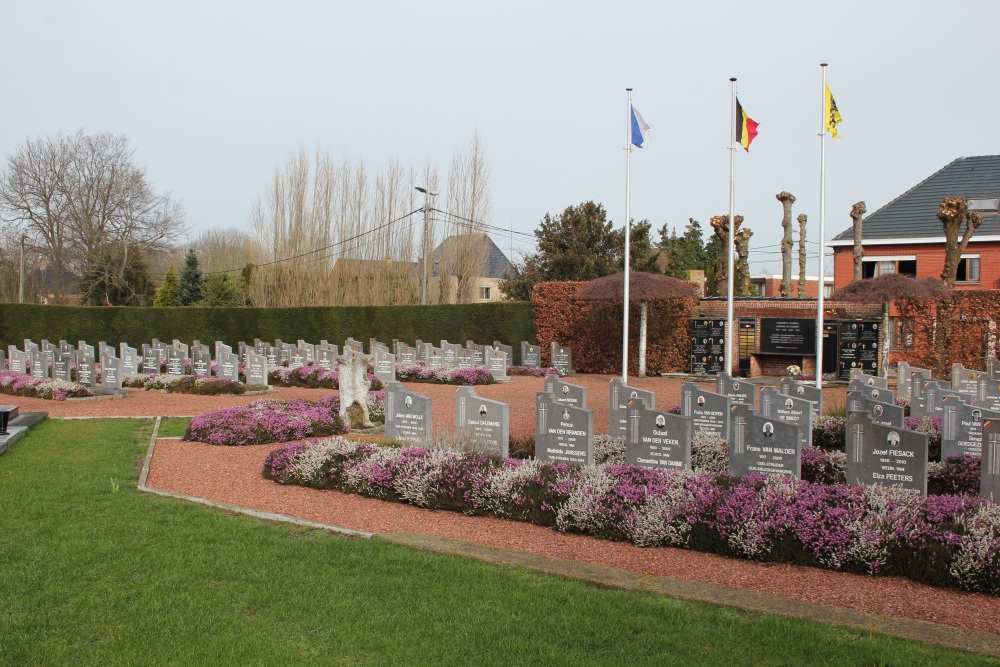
563, 432
763, 445
61, 366
738, 390
810, 393
407, 415
228, 367
709, 411
384, 364
657, 439
175, 361
465, 359
962, 427
39, 364
789, 409
619, 397
965, 379
531, 355
485, 422
111, 372
878, 454
17, 361
256, 368
562, 358
85, 370
129, 359
563, 392
407, 355
496, 363
201, 363
886, 414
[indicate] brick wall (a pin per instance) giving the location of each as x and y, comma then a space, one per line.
930, 261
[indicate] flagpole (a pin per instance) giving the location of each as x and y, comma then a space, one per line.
822, 232
628, 231
728, 367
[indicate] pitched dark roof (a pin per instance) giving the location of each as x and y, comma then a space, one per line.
497, 263
913, 214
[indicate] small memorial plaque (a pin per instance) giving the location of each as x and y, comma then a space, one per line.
709, 411
762, 445
563, 432
531, 355
878, 454
484, 421
657, 439
563, 392
962, 427
787, 336
788, 409
738, 390
407, 415
619, 398
857, 348
562, 358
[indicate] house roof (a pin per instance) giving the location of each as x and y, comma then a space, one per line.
912, 216
497, 264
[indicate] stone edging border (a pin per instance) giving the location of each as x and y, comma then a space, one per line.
613, 578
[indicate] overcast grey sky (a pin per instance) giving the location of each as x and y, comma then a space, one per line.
214, 95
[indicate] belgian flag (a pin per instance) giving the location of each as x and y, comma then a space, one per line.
746, 127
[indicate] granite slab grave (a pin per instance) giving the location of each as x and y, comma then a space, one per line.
407, 355
563, 432
878, 454
562, 358
61, 366
450, 353
435, 358
657, 439
111, 373
150, 360
988, 393
175, 361
962, 427
965, 379
86, 371
201, 363
568, 394
384, 364
708, 410
478, 352
880, 413
485, 422
872, 392
506, 349
15, 424
465, 359
869, 379
762, 445
256, 368
788, 409
927, 396
18, 361
496, 363
39, 365
531, 355
808, 392
904, 377
619, 397
130, 359
82, 346
989, 476
407, 414
737, 389
325, 358
228, 367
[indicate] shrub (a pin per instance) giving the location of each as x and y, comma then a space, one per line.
956, 474
829, 433
191, 384
533, 372
444, 375
263, 422
932, 427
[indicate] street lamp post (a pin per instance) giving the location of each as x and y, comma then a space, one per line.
426, 243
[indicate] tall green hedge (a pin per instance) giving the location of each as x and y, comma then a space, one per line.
508, 323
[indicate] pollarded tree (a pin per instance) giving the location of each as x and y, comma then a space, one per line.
786, 199
169, 294
951, 213
857, 220
803, 218
189, 290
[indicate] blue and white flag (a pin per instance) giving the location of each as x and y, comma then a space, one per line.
639, 128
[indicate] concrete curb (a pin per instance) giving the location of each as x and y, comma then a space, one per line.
613, 578
257, 514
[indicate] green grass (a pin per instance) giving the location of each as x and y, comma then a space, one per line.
173, 427
94, 576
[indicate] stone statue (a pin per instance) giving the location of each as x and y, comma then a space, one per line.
354, 387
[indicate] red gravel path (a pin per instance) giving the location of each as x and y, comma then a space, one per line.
232, 475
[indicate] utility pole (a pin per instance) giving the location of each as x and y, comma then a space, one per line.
20, 285
426, 243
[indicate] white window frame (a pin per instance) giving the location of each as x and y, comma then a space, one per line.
879, 260
979, 268
485, 292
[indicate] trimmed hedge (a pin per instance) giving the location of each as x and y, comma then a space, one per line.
509, 323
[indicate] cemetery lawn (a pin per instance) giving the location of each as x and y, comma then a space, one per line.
94, 572
173, 427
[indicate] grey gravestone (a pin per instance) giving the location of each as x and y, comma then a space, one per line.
86, 349
619, 398
869, 380
904, 377
788, 409
407, 355
484, 421
878, 454
272, 357
407, 415
434, 356
229, 367
111, 373
465, 358
3, 359
85, 371
810, 393
450, 352
872, 393
129, 358
61, 366
39, 365
29, 346
18, 362
256, 368
562, 358
478, 353
66, 348
496, 364
221, 347
762, 445
709, 411
965, 379
506, 349
175, 361
568, 394
531, 355
563, 432
183, 348
298, 359
286, 353
384, 364
657, 439
988, 393
880, 413
150, 360
325, 358
423, 351
962, 427
738, 391
927, 396
989, 476
355, 345
201, 363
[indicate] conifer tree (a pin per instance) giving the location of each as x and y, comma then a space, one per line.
189, 291
168, 294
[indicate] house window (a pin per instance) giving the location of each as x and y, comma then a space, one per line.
968, 269
880, 266
485, 293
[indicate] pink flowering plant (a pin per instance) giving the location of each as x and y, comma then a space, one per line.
951, 540
20, 384
263, 422
444, 374
531, 371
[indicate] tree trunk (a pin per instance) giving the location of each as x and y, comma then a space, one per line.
802, 256
857, 213
786, 199
884, 351
642, 339
951, 212
742, 282
720, 223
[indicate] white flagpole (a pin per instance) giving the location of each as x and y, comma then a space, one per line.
728, 367
628, 233
822, 233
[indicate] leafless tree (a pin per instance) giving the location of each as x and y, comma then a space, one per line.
720, 224
857, 218
471, 208
741, 286
802, 254
951, 213
786, 199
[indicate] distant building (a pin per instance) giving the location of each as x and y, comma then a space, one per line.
493, 267
770, 285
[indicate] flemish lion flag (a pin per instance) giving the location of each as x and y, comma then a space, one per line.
746, 127
831, 114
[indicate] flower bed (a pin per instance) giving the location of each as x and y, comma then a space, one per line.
531, 371
19, 384
444, 375
951, 540
187, 384
312, 377
376, 405
263, 422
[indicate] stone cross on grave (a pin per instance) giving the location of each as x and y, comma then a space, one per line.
461, 409
994, 440
765, 405
929, 401
543, 418
949, 424
859, 439
740, 428
687, 403
634, 426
